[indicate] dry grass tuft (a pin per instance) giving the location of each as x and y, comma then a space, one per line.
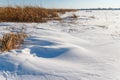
74, 16
93, 17
29, 14
11, 41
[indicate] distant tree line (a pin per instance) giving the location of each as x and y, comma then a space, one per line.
100, 9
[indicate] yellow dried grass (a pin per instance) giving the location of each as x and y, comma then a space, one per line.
29, 14
73, 16
11, 41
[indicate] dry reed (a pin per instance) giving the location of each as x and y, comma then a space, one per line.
11, 41
30, 14
73, 16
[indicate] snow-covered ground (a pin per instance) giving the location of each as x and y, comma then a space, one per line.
87, 48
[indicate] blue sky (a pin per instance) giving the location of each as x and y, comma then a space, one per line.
64, 3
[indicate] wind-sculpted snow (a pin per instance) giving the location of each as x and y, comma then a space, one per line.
86, 48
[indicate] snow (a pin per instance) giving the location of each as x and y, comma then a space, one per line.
86, 48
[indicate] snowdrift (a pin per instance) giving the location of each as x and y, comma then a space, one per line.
86, 48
